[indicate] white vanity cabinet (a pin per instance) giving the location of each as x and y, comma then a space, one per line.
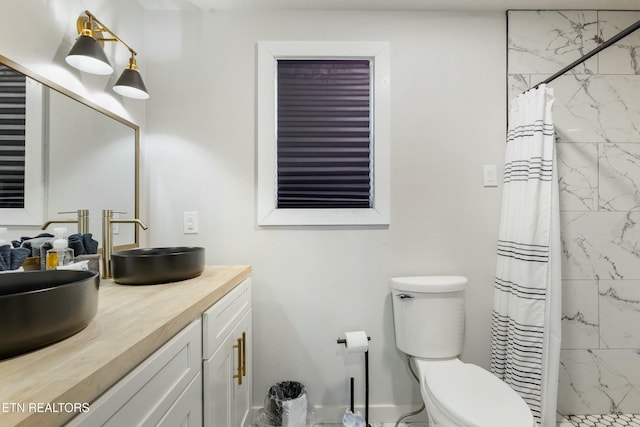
201, 377
165, 390
227, 355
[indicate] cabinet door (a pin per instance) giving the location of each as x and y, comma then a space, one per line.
218, 386
242, 392
227, 379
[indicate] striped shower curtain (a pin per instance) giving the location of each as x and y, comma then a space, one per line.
525, 330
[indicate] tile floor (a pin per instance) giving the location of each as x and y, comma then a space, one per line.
621, 420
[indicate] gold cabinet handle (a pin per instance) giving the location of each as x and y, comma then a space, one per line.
244, 354
239, 347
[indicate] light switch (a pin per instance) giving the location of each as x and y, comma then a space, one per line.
490, 175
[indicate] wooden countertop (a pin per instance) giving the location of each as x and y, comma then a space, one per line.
132, 322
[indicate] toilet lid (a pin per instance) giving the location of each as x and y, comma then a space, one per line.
475, 396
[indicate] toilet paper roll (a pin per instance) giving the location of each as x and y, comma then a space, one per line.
357, 341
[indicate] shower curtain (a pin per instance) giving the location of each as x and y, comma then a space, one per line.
525, 330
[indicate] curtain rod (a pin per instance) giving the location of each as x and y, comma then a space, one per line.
622, 34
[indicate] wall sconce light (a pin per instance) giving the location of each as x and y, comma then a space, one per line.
88, 55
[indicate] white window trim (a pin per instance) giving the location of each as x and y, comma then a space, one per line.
268, 55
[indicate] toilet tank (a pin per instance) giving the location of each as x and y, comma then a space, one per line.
428, 315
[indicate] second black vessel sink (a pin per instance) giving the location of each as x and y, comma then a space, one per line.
151, 266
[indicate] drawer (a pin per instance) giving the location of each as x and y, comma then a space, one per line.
187, 410
219, 320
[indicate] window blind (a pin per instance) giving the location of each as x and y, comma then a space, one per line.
12, 138
324, 155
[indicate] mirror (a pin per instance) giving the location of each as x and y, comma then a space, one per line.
78, 156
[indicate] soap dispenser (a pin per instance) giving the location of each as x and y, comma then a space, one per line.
60, 254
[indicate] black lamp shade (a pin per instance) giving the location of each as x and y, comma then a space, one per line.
87, 55
130, 84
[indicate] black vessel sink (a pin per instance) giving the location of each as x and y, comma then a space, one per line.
151, 266
38, 308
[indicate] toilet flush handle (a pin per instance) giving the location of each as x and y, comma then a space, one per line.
405, 296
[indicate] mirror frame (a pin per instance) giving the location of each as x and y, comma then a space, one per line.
60, 89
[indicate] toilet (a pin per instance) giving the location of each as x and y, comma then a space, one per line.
428, 314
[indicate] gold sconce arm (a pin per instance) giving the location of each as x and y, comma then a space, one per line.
97, 28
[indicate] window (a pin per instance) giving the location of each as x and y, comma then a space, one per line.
21, 149
323, 133
13, 95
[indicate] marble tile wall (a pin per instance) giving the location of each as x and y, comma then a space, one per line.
597, 119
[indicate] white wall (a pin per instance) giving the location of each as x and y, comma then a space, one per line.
312, 284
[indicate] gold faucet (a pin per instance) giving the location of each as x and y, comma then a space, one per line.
107, 237
82, 220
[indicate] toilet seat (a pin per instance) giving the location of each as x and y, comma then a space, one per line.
472, 396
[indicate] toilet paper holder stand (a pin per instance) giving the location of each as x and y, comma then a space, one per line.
366, 381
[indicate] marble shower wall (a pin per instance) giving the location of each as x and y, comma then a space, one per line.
597, 119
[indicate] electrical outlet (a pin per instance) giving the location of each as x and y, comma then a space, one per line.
190, 223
